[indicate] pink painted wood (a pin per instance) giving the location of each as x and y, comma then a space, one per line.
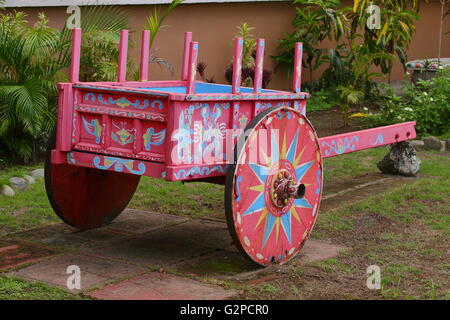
193, 56
259, 65
108, 163
123, 56
65, 107
76, 54
297, 77
237, 65
185, 66
145, 52
366, 139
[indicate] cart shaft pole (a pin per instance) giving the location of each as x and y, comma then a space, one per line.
297, 77
259, 66
193, 56
76, 54
366, 139
145, 51
187, 45
237, 65
123, 55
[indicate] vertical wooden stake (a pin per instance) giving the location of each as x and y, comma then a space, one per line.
145, 52
237, 65
259, 64
185, 66
193, 55
297, 77
76, 54
123, 55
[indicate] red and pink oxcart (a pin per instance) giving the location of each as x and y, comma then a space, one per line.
257, 142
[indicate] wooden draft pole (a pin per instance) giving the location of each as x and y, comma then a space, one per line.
123, 55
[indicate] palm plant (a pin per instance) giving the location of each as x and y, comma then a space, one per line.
26, 81
32, 59
155, 22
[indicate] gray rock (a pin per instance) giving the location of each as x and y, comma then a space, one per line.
29, 179
18, 183
7, 191
417, 144
447, 144
402, 160
432, 143
38, 173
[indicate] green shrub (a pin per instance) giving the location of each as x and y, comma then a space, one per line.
321, 100
428, 104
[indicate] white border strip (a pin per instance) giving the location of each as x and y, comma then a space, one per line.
63, 3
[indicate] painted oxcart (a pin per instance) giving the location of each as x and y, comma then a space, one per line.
257, 142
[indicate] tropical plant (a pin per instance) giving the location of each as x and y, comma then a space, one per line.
32, 60
155, 24
397, 28
248, 59
27, 85
427, 103
315, 21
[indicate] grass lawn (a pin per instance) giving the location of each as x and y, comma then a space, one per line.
404, 230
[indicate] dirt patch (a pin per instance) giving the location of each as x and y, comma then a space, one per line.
329, 122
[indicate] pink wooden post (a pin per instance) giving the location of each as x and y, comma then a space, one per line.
193, 55
123, 54
145, 52
297, 77
259, 63
237, 65
185, 66
76, 54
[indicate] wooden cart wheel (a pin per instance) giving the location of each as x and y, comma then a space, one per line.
273, 189
86, 198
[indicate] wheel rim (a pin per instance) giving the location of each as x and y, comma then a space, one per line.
266, 222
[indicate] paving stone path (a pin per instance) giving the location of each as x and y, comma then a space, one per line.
147, 255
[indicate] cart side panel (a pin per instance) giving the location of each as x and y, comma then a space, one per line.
205, 132
199, 137
119, 124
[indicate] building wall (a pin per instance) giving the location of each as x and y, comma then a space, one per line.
214, 26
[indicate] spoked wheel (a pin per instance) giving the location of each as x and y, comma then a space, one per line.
273, 189
86, 198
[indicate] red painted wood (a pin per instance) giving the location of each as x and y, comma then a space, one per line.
123, 56
87, 198
65, 110
237, 65
281, 141
185, 65
192, 72
145, 53
259, 65
366, 139
76, 54
297, 76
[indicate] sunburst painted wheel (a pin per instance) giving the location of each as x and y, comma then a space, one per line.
86, 198
273, 189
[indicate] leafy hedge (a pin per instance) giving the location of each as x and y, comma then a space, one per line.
427, 103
